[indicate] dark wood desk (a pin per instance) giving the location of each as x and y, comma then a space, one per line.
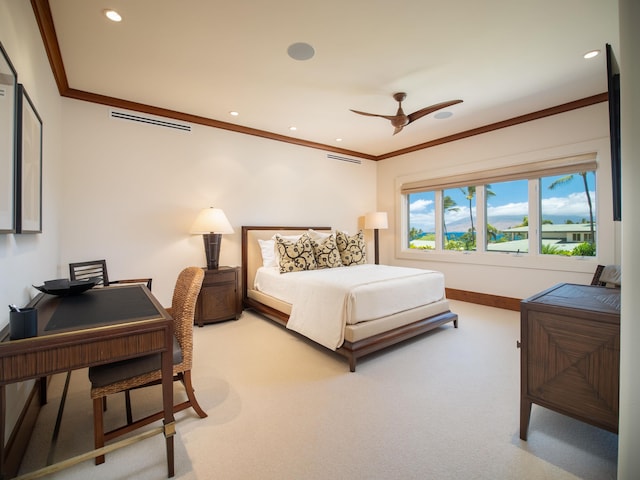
570, 354
100, 326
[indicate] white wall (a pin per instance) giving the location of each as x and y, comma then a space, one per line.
132, 192
579, 131
629, 440
30, 259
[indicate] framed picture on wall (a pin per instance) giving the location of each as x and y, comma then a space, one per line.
29, 153
8, 98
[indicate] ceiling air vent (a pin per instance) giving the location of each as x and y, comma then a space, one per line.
343, 159
159, 122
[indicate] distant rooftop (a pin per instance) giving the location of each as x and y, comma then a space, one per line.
556, 228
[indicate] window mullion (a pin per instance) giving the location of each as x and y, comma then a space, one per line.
481, 219
535, 243
439, 218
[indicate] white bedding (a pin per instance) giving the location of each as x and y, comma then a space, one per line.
324, 301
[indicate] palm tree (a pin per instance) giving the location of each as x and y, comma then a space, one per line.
449, 205
567, 179
469, 193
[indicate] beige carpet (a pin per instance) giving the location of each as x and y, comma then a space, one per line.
443, 406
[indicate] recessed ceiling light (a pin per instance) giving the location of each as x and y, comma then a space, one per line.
293, 129
338, 139
591, 54
234, 113
301, 51
441, 115
113, 15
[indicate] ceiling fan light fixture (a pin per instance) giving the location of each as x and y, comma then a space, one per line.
401, 120
112, 15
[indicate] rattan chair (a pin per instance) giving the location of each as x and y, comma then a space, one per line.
145, 371
98, 269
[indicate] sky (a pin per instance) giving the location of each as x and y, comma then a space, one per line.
509, 204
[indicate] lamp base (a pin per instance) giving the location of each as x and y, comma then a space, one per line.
212, 249
375, 246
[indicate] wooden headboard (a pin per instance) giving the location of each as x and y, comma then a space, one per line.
251, 255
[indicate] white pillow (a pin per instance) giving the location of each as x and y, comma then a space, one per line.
319, 236
268, 250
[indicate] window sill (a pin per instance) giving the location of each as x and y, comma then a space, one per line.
503, 259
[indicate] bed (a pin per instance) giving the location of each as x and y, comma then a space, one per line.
404, 315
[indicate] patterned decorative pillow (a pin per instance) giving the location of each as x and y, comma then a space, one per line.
352, 249
326, 252
295, 256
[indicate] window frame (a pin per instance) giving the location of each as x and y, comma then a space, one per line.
533, 259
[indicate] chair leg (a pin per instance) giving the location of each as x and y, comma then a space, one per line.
98, 427
186, 380
127, 402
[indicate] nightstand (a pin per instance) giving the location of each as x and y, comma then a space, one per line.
220, 296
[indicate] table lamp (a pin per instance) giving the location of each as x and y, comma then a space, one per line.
375, 221
212, 223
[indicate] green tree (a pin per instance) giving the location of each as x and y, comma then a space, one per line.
569, 178
492, 233
415, 233
449, 205
469, 193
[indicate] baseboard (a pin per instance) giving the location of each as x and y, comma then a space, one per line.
497, 301
21, 434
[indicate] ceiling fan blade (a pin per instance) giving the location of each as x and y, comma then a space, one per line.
388, 117
427, 110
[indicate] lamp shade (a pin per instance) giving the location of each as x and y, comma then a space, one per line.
211, 220
376, 220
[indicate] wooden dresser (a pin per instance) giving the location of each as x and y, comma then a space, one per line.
570, 354
220, 296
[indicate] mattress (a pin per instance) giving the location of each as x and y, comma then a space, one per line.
325, 301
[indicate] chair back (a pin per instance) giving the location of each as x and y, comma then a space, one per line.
86, 270
607, 275
183, 308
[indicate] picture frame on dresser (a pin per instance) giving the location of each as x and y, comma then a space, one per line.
8, 159
29, 170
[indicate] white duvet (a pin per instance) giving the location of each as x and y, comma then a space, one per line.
324, 301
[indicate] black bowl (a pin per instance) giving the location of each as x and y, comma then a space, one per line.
63, 287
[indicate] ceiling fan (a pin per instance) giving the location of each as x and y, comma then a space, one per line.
400, 120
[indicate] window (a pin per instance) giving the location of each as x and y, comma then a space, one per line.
547, 207
507, 216
568, 214
459, 218
422, 231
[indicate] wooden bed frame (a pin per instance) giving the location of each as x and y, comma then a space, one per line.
415, 322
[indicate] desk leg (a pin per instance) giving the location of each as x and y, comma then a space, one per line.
167, 400
3, 407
